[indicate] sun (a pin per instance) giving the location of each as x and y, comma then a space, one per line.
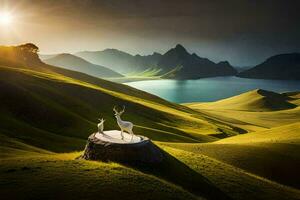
6, 18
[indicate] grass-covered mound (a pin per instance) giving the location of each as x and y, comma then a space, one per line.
255, 101
255, 110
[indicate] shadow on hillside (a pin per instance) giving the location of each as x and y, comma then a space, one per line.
173, 170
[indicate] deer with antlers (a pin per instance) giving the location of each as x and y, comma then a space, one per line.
124, 125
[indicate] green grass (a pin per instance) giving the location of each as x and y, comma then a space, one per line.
253, 111
237, 183
273, 154
150, 72
185, 175
63, 177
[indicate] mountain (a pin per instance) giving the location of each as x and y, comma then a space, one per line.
193, 66
120, 61
176, 63
283, 66
75, 63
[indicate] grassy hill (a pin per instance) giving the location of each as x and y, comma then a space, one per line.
254, 110
63, 177
272, 150
273, 154
69, 61
236, 176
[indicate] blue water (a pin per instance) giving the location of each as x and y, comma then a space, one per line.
210, 89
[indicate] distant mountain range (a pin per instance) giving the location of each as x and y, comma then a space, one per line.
283, 66
120, 61
175, 63
72, 62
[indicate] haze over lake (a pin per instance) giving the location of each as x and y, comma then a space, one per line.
210, 89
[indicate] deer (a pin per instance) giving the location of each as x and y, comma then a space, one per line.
101, 125
124, 125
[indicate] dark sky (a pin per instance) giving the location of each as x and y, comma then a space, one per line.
242, 32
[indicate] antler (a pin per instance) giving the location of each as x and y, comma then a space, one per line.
101, 120
123, 109
115, 110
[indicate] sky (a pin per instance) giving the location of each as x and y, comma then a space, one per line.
243, 32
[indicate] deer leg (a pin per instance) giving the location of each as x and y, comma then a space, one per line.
122, 134
131, 133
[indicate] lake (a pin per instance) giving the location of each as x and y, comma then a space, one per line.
210, 89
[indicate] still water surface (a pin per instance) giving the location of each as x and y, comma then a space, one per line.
210, 89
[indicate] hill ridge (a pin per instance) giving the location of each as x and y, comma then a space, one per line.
281, 66
72, 62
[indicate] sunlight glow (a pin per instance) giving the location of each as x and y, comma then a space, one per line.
6, 18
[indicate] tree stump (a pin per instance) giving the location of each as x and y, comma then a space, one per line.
103, 149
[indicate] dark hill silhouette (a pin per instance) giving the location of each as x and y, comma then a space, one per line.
193, 66
283, 66
72, 62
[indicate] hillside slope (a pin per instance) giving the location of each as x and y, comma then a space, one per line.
254, 110
255, 100
273, 154
69, 61
61, 176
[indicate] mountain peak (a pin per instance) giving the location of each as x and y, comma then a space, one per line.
180, 47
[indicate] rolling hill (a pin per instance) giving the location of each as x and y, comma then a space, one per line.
69, 61
255, 100
283, 66
272, 154
191, 66
254, 110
